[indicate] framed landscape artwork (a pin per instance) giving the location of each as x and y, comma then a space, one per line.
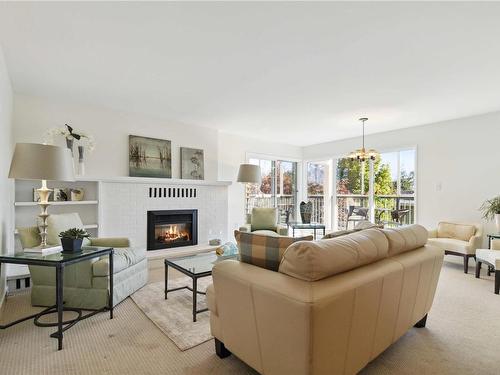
149, 157
192, 164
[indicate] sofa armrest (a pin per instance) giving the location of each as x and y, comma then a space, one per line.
282, 230
475, 242
433, 233
246, 294
110, 242
246, 228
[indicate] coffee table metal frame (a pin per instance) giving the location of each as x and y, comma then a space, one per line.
194, 276
59, 264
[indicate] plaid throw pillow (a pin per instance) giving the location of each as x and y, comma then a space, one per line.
264, 251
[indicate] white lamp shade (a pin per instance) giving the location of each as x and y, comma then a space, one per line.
33, 161
249, 173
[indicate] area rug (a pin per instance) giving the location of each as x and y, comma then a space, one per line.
174, 315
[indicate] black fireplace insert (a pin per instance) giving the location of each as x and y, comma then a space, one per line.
172, 228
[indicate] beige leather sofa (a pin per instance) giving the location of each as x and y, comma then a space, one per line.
333, 306
459, 239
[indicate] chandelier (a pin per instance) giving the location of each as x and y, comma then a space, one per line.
362, 154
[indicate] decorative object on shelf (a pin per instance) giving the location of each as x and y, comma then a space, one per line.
149, 157
192, 163
83, 141
76, 194
491, 210
81, 163
33, 161
61, 194
72, 239
362, 154
306, 212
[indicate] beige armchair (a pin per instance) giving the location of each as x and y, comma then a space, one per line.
264, 221
460, 239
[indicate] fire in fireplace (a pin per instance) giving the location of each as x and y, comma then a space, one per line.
168, 233
172, 228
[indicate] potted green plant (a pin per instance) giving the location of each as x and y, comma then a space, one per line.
491, 210
72, 239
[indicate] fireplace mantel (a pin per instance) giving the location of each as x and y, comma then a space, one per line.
156, 181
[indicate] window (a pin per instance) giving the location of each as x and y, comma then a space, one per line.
317, 190
393, 188
352, 185
277, 189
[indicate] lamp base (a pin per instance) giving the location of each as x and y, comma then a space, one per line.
44, 194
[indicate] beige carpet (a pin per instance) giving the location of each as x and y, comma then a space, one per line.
462, 337
174, 316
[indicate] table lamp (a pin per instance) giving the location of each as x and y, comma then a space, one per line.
249, 173
32, 161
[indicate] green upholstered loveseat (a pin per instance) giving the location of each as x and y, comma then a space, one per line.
86, 283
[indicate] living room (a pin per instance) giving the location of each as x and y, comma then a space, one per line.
320, 153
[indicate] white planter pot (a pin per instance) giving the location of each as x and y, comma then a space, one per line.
497, 222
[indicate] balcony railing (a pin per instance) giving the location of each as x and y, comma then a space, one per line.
384, 204
318, 209
285, 204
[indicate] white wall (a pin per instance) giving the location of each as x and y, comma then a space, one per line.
223, 152
463, 156
234, 150
6, 185
34, 115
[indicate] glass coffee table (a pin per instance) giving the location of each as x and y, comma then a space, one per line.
194, 266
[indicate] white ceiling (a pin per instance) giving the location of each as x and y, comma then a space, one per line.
299, 73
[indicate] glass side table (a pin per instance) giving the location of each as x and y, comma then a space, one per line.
59, 261
312, 226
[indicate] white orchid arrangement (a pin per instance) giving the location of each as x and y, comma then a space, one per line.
81, 138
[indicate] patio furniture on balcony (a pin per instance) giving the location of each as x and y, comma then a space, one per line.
397, 216
355, 214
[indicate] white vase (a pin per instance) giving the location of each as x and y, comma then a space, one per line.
81, 162
497, 222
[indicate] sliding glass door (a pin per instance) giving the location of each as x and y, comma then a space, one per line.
277, 189
318, 190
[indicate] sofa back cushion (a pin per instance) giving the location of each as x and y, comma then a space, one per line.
316, 260
405, 238
264, 251
362, 225
457, 231
263, 218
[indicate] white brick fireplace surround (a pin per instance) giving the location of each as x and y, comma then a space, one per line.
124, 203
